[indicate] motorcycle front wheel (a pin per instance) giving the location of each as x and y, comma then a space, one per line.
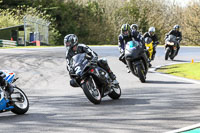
141, 73
20, 101
91, 91
167, 53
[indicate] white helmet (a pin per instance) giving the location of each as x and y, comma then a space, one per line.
152, 30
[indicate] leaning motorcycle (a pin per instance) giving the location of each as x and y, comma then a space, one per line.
16, 101
171, 47
94, 80
137, 59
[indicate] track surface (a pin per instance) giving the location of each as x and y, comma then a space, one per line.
161, 104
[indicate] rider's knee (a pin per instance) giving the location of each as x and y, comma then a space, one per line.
73, 83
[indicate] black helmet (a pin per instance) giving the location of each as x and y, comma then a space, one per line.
125, 30
134, 27
70, 40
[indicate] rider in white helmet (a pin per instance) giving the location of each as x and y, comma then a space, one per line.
153, 36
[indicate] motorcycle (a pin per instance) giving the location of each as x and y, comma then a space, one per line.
16, 101
149, 46
171, 47
94, 80
137, 59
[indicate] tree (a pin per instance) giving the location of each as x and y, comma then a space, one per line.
191, 25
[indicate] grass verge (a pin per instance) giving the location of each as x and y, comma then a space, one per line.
186, 70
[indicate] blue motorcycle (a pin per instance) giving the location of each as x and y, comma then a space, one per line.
16, 101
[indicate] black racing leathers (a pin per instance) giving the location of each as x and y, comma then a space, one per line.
154, 37
82, 48
178, 35
122, 41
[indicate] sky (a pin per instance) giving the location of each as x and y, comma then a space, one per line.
181, 2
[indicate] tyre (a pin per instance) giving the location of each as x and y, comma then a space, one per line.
116, 93
167, 53
141, 73
91, 91
172, 58
20, 101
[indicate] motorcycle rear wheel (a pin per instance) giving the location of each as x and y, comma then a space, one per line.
21, 103
91, 91
116, 93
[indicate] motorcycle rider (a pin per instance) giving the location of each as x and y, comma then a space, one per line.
3, 82
136, 34
151, 34
125, 36
175, 31
73, 48
134, 27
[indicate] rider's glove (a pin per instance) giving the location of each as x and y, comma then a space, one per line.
121, 50
71, 71
94, 60
156, 43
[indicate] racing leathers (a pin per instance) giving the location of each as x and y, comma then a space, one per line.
122, 41
82, 48
3, 82
178, 35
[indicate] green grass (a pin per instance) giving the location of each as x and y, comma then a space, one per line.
186, 70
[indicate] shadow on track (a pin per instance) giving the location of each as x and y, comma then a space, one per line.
165, 82
124, 101
180, 60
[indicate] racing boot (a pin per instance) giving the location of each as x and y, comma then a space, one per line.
112, 75
150, 65
128, 71
9, 88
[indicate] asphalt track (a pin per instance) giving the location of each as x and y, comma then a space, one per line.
162, 104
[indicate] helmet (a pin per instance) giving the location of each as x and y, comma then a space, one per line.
152, 31
125, 29
70, 40
134, 27
176, 27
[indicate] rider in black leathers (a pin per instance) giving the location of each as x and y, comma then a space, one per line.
73, 48
151, 34
125, 36
175, 31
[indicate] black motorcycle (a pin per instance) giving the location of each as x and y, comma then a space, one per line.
171, 47
137, 59
94, 80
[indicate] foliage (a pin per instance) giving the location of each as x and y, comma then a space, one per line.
13, 17
99, 21
191, 23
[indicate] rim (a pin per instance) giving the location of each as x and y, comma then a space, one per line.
117, 89
94, 91
19, 99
